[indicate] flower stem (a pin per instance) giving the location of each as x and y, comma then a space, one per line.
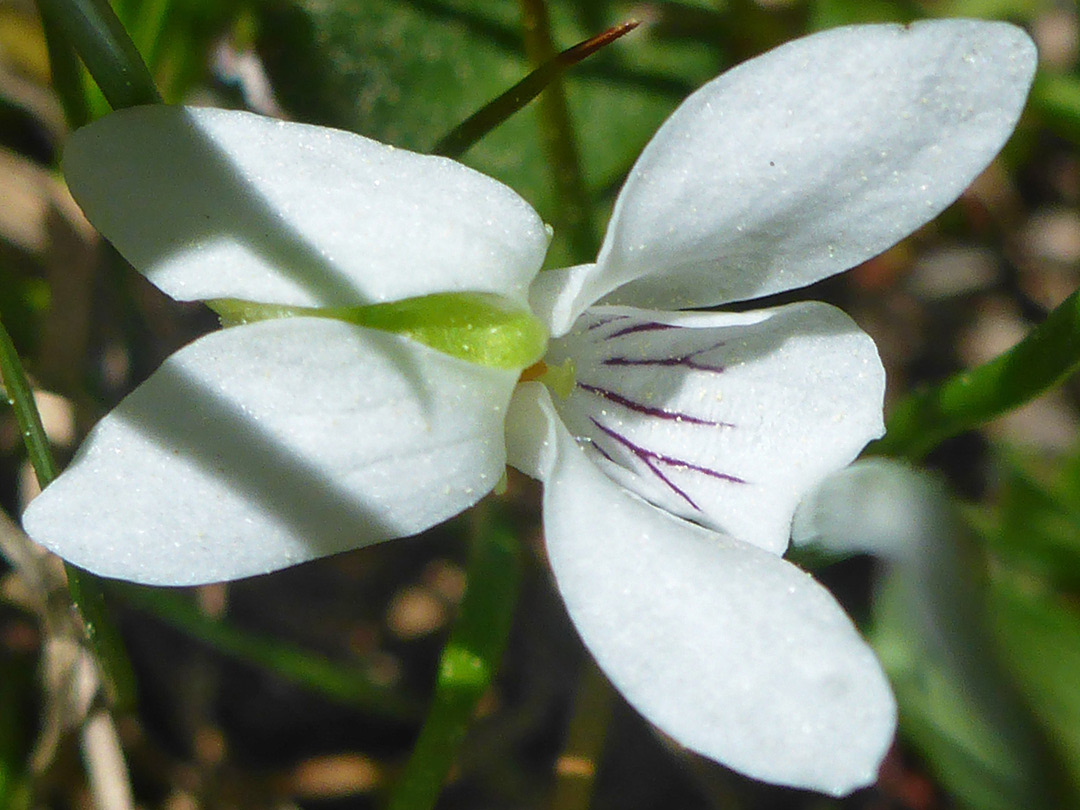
573, 215
575, 771
1049, 354
85, 588
468, 661
93, 29
21, 398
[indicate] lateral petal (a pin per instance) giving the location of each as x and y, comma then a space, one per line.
225, 204
726, 419
731, 650
262, 446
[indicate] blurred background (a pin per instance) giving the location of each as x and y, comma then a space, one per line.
307, 688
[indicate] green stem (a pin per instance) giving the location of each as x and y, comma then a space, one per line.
85, 588
67, 75
573, 215
1049, 354
93, 29
339, 682
575, 770
484, 120
468, 661
21, 398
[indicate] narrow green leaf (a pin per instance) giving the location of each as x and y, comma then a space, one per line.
484, 120
1039, 635
468, 662
92, 28
21, 398
1049, 354
84, 587
146, 25
87, 594
67, 75
573, 207
345, 684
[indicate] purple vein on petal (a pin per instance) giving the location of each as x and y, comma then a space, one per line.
647, 410
686, 360
650, 459
646, 458
649, 326
601, 451
605, 321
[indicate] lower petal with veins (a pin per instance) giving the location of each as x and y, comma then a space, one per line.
726, 419
730, 650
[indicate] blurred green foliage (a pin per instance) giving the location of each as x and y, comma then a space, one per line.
406, 72
963, 720
17, 728
1033, 537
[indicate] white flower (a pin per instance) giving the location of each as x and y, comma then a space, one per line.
673, 466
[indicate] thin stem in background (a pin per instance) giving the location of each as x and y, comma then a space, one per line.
98, 36
21, 398
66, 75
476, 126
85, 588
91, 29
468, 661
575, 770
573, 206
1049, 354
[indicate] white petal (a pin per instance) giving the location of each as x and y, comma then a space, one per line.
809, 160
730, 650
877, 506
554, 294
223, 204
727, 419
263, 446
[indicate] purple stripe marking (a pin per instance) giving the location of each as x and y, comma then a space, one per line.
648, 457
685, 361
601, 451
605, 322
659, 413
650, 326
